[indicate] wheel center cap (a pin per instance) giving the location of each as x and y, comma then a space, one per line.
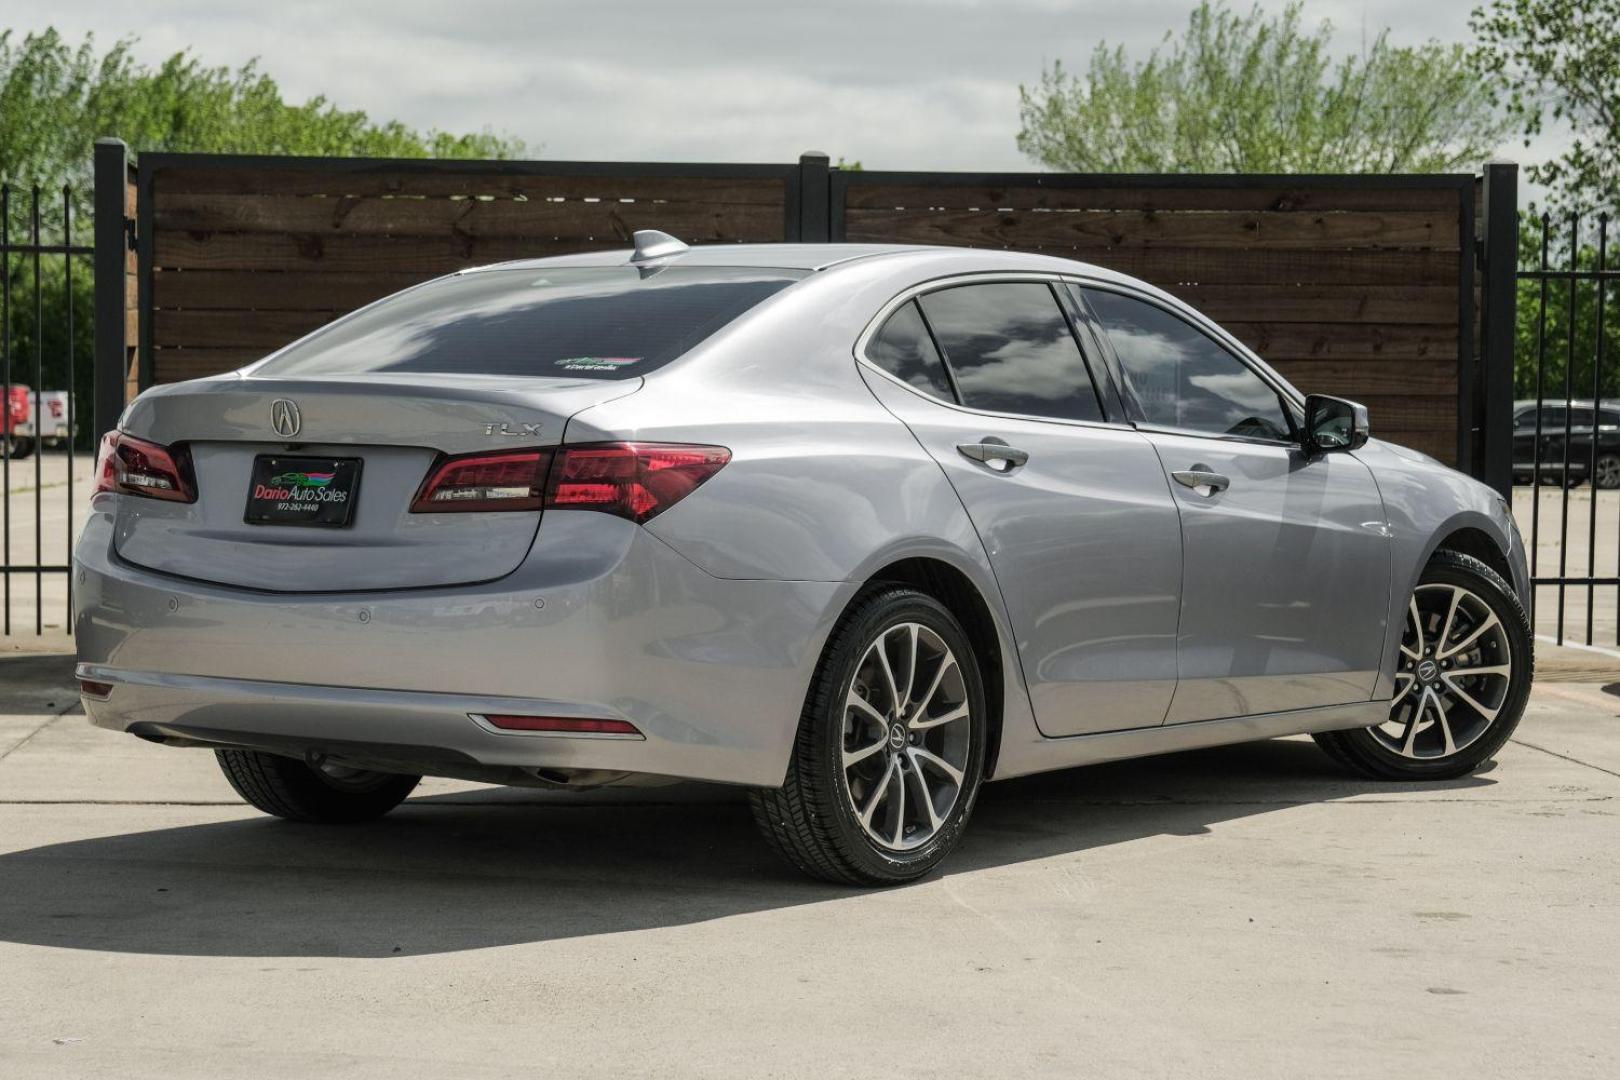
897, 737
1427, 670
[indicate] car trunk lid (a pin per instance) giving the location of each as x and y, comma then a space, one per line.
395, 426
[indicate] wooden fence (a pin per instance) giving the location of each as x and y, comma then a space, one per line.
1359, 286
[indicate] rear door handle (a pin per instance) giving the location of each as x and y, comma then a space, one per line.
990, 451
1201, 476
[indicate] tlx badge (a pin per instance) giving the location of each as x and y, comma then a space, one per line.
508, 428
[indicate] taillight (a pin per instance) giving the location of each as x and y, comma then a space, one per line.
637, 481
509, 481
633, 480
137, 467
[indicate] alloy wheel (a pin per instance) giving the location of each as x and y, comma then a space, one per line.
1456, 666
1608, 472
907, 737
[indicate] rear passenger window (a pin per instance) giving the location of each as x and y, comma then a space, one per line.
1182, 377
1010, 349
904, 349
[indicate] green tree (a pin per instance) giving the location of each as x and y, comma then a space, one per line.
1260, 93
56, 98
1559, 61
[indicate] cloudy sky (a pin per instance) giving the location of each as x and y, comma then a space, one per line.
892, 83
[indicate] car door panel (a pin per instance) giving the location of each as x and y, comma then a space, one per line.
1085, 542
1286, 554
1285, 588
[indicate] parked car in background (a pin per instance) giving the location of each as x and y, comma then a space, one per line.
856, 527
1561, 447
22, 432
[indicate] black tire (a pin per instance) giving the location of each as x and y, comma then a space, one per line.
811, 820
1362, 751
21, 447
289, 788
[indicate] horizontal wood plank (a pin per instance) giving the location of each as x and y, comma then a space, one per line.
568, 219
1309, 303
1144, 197
428, 255
175, 365
1089, 229
1356, 379
178, 180
1339, 341
276, 291
264, 330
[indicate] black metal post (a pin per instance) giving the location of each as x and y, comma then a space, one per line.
112, 247
1499, 245
814, 221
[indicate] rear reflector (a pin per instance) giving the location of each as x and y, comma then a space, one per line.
574, 724
91, 688
631, 480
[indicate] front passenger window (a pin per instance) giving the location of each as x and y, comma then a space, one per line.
1183, 378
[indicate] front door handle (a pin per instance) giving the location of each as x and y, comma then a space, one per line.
1202, 477
989, 451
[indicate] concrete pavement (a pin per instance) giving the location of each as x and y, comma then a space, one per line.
1246, 912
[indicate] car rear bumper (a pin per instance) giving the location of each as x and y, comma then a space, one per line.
602, 620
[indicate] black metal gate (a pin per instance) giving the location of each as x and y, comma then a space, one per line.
41, 268
1566, 428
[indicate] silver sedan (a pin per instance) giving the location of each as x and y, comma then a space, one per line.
858, 528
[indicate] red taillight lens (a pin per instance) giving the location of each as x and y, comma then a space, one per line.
514, 481
633, 480
581, 725
137, 467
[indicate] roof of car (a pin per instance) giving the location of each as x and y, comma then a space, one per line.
808, 257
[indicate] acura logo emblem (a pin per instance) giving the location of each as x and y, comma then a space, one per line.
284, 418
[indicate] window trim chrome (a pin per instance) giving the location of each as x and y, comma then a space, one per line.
980, 277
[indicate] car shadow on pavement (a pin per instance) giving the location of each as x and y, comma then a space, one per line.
453, 872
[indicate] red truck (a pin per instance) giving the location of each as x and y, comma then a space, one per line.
20, 429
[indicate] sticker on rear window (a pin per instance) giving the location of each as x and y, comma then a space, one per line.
597, 363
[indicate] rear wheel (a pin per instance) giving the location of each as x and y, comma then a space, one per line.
21, 446
327, 794
1461, 681
890, 750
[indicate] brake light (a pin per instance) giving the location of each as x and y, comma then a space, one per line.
510, 481
636, 481
136, 467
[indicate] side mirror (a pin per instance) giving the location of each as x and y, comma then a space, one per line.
1334, 424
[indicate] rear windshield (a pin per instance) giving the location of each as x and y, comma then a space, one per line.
599, 322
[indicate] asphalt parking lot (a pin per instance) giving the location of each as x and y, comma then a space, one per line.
1245, 912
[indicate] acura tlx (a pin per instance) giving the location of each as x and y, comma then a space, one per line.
857, 528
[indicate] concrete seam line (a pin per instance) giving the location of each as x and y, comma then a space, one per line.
1550, 640
47, 723
1566, 757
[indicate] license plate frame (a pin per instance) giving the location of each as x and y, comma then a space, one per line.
301, 490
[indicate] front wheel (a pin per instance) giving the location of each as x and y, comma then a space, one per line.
1461, 682
22, 446
327, 793
891, 747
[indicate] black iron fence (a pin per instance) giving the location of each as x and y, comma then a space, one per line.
43, 286
1566, 427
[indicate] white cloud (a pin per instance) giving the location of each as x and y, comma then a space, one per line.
893, 83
